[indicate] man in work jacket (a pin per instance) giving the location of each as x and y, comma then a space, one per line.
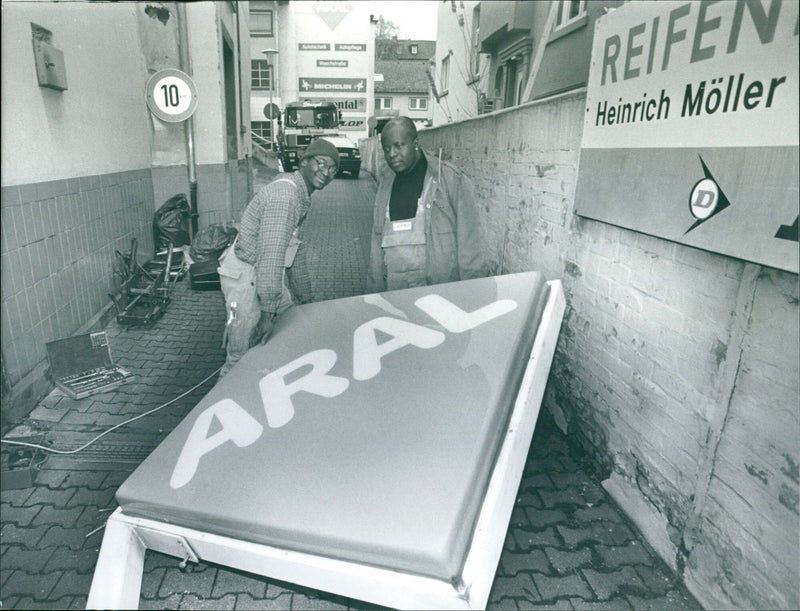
425, 225
257, 272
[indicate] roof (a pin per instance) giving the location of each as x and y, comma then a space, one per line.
403, 72
402, 76
401, 49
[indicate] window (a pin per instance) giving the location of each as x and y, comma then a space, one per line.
260, 18
414, 49
383, 103
444, 77
260, 74
262, 132
417, 103
569, 11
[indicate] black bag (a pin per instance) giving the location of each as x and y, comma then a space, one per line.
209, 243
171, 223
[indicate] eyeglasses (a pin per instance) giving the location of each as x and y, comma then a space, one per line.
323, 166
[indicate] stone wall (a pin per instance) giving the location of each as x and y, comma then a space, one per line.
676, 370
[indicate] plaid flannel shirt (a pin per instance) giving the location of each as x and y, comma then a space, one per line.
266, 227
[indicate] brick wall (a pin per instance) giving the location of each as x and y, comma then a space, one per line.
676, 369
58, 244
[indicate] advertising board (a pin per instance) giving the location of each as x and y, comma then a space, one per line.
691, 126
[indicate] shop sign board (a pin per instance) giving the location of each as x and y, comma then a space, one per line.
353, 124
343, 104
332, 63
329, 85
351, 47
691, 126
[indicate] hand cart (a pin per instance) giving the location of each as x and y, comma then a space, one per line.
142, 295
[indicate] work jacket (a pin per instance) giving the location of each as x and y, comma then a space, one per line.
454, 246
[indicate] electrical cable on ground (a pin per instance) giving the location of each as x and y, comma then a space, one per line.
116, 426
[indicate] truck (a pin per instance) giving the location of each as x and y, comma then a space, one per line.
303, 122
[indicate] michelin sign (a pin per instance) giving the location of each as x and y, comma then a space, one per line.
691, 126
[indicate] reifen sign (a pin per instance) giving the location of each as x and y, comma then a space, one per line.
691, 126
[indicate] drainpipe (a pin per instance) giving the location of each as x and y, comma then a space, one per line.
185, 64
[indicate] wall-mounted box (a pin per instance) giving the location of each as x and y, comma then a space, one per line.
50, 67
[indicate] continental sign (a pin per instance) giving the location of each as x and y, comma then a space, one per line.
344, 104
691, 126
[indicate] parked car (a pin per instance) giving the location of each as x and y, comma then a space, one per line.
349, 155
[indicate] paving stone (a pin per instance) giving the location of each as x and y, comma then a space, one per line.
23, 559
503, 604
28, 537
21, 516
512, 563
190, 601
528, 499
633, 553
172, 601
519, 519
567, 561
537, 481
603, 511
577, 479
306, 601
57, 536
570, 495
609, 605
95, 498
520, 585
30, 603
672, 600
63, 559
72, 583
247, 602
15, 497
605, 533
151, 581
49, 496
54, 478
229, 580
540, 518
609, 583
561, 587
199, 582
657, 581
35, 585
526, 540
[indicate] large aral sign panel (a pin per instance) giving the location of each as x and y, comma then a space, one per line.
691, 126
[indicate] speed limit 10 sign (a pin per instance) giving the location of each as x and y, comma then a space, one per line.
171, 95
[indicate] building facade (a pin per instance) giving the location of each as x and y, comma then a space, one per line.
494, 55
402, 85
315, 51
86, 163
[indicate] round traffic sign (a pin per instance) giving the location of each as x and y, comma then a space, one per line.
171, 95
271, 111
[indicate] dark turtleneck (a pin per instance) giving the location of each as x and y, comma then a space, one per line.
406, 191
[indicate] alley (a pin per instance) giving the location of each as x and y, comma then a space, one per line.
568, 545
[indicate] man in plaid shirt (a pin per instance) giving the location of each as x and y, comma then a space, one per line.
257, 272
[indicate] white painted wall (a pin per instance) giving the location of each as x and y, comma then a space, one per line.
49, 135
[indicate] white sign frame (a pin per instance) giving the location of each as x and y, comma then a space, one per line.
178, 99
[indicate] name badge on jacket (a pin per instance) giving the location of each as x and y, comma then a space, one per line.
401, 226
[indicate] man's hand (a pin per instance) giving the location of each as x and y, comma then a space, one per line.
263, 329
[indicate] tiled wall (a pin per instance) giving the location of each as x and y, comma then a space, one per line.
58, 244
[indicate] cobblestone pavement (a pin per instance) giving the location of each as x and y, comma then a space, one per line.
568, 546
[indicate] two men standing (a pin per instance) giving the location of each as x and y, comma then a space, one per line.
425, 231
